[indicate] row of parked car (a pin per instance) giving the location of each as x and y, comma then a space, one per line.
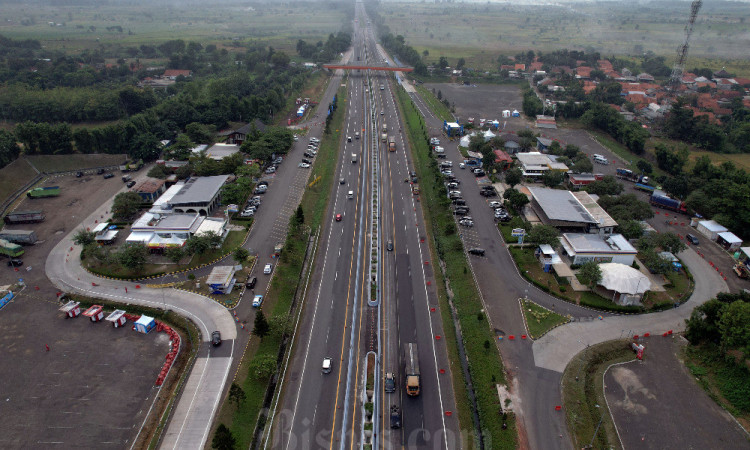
310, 153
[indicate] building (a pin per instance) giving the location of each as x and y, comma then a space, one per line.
150, 189
452, 128
542, 144
535, 164
219, 151
221, 279
200, 195
104, 234
546, 122
710, 229
161, 231
239, 135
578, 180
502, 159
582, 248
563, 210
172, 74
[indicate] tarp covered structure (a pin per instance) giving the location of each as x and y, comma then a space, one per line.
623, 279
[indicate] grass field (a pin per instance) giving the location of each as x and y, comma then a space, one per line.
583, 394
279, 25
14, 176
62, 163
540, 320
480, 32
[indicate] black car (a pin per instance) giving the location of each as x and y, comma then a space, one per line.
216, 338
692, 239
477, 251
395, 416
99, 171
79, 174
459, 202
484, 193
306, 161
15, 263
130, 183
479, 173
462, 211
251, 282
309, 155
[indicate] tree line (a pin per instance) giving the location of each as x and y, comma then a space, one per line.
325, 52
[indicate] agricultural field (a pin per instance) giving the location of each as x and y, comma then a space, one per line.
481, 32
74, 29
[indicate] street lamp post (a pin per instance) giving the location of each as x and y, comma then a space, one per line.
601, 417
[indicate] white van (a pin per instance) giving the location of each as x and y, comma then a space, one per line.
327, 364
600, 159
350, 194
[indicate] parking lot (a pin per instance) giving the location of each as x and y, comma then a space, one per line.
95, 384
643, 395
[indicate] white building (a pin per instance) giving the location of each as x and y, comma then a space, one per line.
582, 248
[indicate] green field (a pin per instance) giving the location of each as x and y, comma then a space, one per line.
540, 320
278, 25
14, 176
480, 32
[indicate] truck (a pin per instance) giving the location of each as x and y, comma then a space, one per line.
644, 187
41, 192
629, 175
354, 158
662, 200
17, 217
128, 166
411, 369
27, 237
10, 249
277, 248
391, 144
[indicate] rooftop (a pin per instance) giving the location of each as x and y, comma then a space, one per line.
221, 151
199, 190
149, 185
561, 205
595, 243
596, 211
172, 222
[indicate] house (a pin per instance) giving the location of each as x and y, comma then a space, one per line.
583, 72
578, 180
584, 247
150, 189
238, 136
645, 77
722, 74
198, 195
545, 122
535, 164
563, 210
219, 151
161, 231
542, 144
172, 74
502, 159
519, 67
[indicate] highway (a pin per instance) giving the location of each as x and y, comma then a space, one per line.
320, 410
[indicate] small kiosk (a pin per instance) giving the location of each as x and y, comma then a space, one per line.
144, 324
95, 313
117, 317
71, 309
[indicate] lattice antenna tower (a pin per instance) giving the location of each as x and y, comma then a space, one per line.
682, 51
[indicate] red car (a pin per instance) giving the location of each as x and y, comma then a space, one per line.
338, 217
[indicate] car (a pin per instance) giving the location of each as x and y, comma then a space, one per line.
79, 174
257, 301
268, 269
382, 113
348, 139
108, 175
314, 139
692, 239
342, 180
488, 193
306, 161
130, 183
461, 165
338, 217
505, 218
452, 185
479, 173
461, 211
304, 165
395, 416
466, 222
495, 204
216, 338
250, 209
389, 245
454, 192
390, 383
99, 171
459, 202
477, 251
327, 364
382, 87
296, 138
263, 183
247, 214
15, 262
447, 163
270, 170
260, 190
250, 284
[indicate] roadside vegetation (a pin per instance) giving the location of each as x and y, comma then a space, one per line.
485, 365
251, 384
583, 394
439, 106
539, 320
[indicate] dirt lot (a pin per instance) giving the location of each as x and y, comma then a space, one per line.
483, 101
643, 396
81, 393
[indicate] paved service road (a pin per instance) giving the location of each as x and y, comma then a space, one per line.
193, 415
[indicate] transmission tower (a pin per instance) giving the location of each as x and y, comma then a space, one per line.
682, 51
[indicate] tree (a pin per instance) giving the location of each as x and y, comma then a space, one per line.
590, 274
543, 234
517, 199
299, 216
182, 148
443, 62
631, 229
552, 178
133, 256
582, 165
263, 366
236, 394
158, 171
644, 166
260, 326
280, 325
223, 439
460, 64
734, 326
84, 237
513, 176
608, 185
196, 245
174, 254
125, 205
240, 255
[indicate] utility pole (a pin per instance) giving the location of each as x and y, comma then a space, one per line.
682, 51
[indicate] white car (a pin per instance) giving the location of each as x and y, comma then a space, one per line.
257, 301
304, 165
448, 163
466, 223
461, 165
268, 269
495, 204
